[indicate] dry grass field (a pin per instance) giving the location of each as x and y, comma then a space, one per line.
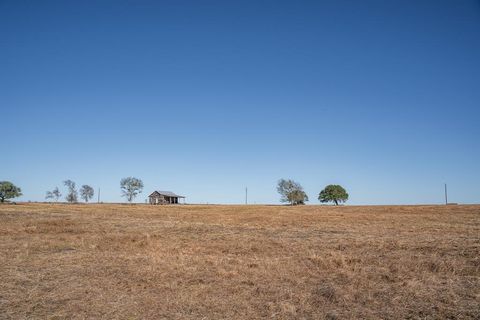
239, 262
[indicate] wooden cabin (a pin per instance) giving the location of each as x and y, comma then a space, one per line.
164, 197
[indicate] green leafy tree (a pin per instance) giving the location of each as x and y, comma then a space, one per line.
291, 192
333, 193
72, 195
9, 191
131, 187
86, 192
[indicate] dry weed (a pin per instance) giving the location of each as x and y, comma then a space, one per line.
239, 262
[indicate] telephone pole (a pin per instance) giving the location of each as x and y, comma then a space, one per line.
246, 195
446, 196
98, 199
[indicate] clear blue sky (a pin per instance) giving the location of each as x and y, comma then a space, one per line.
204, 98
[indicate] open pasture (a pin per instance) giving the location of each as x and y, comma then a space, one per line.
239, 262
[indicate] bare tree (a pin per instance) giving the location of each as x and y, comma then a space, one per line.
49, 195
131, 187
86, 192
55, 194
72, 195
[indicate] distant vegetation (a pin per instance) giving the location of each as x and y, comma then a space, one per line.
131, 187
55, 194
86, 192
333, 193
291, 192
72, 195
9, 191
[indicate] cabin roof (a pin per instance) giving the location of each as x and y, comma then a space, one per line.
165, 193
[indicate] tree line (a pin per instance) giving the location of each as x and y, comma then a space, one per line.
130, 188
86, 192
292, 192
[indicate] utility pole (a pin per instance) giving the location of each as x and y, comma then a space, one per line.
446, 197
246, 195
98, 195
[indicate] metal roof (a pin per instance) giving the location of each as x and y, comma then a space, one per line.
166, 193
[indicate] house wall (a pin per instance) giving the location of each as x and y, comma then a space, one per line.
157, 200
163, 200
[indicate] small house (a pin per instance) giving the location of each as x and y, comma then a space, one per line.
164, 197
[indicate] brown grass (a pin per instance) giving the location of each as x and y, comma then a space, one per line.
240, 262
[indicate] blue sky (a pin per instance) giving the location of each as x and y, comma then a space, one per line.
204, 98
